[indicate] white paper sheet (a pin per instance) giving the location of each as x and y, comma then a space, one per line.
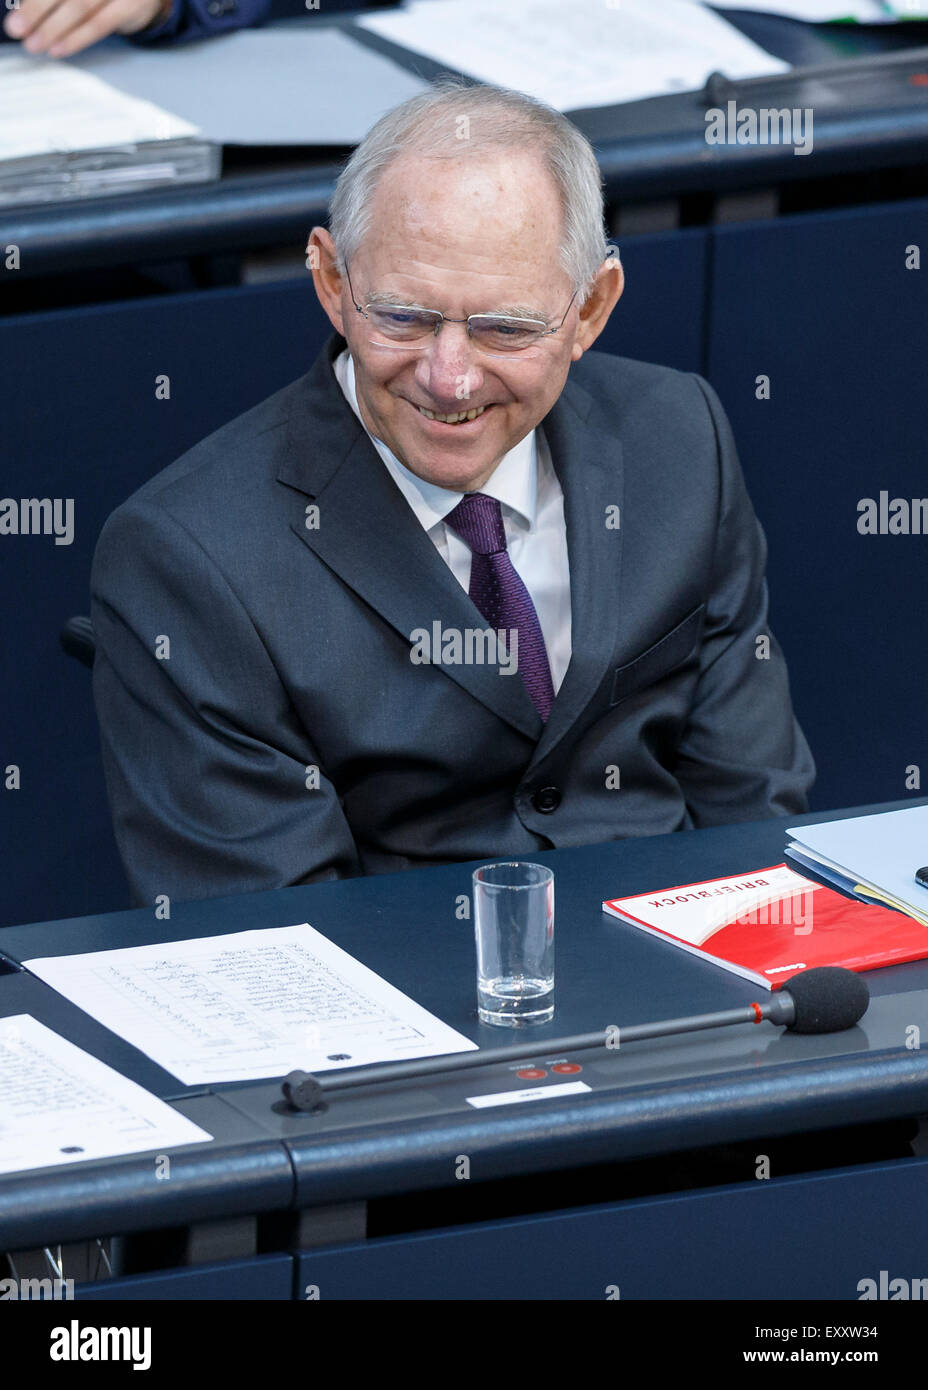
48, 108
581, 53
60, 1105
249, 1005
881, 852
290, 84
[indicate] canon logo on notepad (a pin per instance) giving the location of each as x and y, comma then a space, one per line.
778, 969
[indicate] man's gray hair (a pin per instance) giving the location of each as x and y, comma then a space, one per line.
453, 118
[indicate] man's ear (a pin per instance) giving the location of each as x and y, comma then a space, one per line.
321, 260
604, 294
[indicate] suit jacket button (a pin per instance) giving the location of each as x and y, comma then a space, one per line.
547, 799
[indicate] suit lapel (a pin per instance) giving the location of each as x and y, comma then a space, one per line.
369, 536
588, 463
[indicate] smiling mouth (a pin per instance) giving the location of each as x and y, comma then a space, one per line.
456, 419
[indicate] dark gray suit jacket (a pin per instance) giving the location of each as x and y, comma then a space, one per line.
290, 650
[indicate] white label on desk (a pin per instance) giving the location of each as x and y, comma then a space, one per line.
566, 1088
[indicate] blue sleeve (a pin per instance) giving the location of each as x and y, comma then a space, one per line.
198, 19
206, 765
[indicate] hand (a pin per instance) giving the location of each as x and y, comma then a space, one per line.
62, 27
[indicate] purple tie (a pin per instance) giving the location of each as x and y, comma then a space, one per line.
499, 593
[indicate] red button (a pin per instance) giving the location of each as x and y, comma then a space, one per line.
532, 1073
566, 1068
919, 79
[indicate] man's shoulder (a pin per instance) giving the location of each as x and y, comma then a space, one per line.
643, 402
620, 381
223, 492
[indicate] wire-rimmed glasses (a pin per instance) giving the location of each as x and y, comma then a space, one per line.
404, 325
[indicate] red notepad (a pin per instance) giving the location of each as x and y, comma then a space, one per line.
772, 923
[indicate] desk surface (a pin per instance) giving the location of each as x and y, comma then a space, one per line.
648, 1098
868, 116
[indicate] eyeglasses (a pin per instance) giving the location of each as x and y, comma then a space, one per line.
492, 332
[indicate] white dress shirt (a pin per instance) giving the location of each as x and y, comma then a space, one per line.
525, 484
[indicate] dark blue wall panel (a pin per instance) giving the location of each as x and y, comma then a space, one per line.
766, 1239
825, 307
660, 317
262, 1277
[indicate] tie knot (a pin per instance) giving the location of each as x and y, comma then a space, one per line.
478, 520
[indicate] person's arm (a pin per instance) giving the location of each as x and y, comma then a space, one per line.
206, 762
60, 28
199, 19
743, 756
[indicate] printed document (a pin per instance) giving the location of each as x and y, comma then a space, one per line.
249, 1005
60, 1105
585, 53
52, 108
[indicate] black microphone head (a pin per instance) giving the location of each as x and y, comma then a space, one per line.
827, 998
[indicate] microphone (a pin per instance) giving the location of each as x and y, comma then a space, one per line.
825, 999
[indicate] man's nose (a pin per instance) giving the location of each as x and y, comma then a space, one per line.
448, 369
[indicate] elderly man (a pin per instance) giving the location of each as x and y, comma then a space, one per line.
463, 590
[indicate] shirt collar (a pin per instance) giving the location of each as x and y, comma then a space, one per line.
514, 481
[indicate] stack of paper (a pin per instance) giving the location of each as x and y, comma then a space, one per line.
874, 857
65, 134
583, 54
